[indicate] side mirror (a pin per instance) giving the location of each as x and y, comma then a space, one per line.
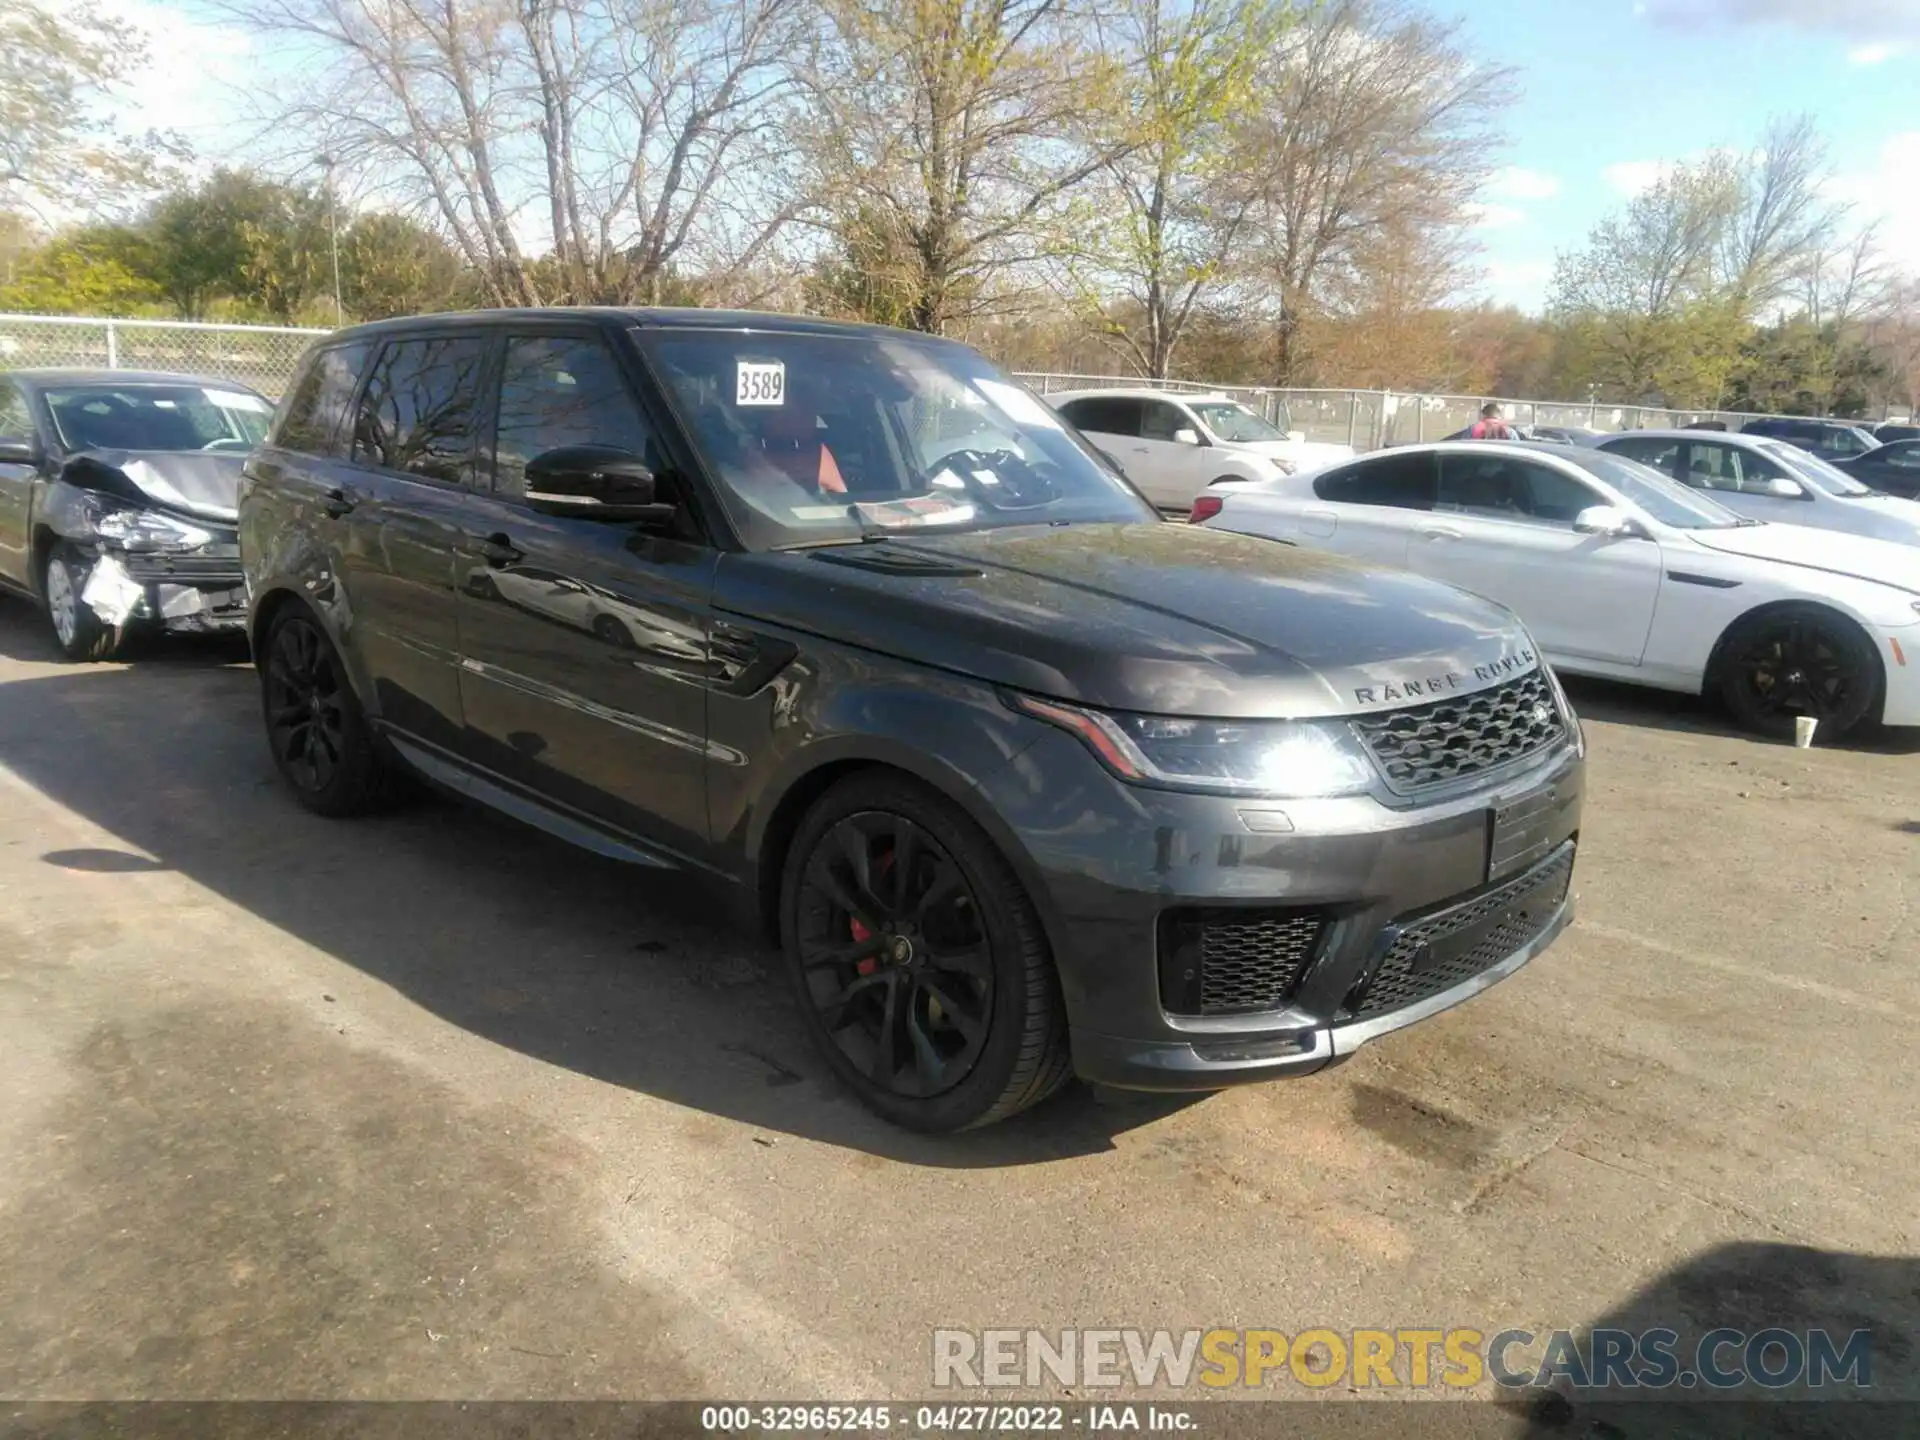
1781, 488
19, 450
1186, 435
1609, 521
594, 482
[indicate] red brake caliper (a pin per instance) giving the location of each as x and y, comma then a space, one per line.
861, 933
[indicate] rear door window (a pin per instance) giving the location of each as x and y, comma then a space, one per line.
1104, 415
1648, 450
16, 420
420, 409
1402, 481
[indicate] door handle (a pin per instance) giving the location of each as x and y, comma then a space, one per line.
337, 503
498, 550
1442, 532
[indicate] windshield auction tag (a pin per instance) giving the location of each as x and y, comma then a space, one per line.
760, 382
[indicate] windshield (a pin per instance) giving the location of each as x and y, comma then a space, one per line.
1665, 499
823, 438
1811, 468
158, 417
1233, 422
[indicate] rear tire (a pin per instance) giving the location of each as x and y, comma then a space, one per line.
1798, 660
321, 742
920, 965
80, 634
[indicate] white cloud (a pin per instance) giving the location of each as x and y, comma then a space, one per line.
1877, 53
1518, 183
1885, 192
1844, 17
191, 77
1495, 217
1517, 282
1634, 177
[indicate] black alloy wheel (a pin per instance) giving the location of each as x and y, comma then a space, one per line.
918, 959
1799, 660
320, 739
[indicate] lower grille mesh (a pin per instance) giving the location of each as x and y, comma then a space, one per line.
1526, 906
1234, 962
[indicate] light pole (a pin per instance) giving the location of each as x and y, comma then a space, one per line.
326, 163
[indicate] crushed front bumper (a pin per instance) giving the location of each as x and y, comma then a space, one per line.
196, 592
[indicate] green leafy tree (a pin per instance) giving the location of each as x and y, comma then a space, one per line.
85, 272
392, 265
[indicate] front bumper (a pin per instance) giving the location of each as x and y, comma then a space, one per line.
1407, 917
196, 591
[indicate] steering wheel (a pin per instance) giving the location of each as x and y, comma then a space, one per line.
225, 441
1021, 487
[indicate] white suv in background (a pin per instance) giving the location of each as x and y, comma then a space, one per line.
1173, 446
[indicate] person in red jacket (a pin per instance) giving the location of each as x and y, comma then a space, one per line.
1490, 426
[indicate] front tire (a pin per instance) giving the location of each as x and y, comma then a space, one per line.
1798, 660
919, 962
321, 742
80, 634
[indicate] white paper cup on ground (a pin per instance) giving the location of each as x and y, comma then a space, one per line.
1803, 728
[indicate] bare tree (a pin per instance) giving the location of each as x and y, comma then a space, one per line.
1369, 115
947, 129
626, 135
58, 153
1847, 282
1165, 213
1780, 221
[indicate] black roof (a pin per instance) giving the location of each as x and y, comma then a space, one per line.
43, 378
659, 317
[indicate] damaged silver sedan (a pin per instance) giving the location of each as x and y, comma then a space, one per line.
117, 501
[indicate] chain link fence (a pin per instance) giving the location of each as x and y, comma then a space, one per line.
1374, 419
264, 356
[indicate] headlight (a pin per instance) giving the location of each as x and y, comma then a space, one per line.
1289, 759
148, 530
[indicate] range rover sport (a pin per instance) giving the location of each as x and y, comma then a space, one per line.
1024, 780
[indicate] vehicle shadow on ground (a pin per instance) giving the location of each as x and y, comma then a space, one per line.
1751, 1287
1618, 703
648, 980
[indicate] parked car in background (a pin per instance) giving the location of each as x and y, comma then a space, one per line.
1025, 780
1893, 469
1565, 434
1621, 573
117, 496
1770, 479
1896, 430
1172, 446
1829, 439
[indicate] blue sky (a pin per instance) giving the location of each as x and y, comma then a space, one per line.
1611, 90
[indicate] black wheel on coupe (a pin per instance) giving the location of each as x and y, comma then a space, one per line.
321, 742
919, 962
1798, 660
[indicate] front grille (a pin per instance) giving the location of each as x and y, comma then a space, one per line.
1512, 915
218, 565
1456, 737
1233, 962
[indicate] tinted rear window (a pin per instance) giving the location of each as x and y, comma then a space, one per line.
1406, 481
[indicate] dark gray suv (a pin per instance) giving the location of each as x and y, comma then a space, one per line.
1024, 780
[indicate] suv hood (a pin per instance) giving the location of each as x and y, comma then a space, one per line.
1160, 618
193, 482
1835, 552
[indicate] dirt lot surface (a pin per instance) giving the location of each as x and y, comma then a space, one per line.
428, 1106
